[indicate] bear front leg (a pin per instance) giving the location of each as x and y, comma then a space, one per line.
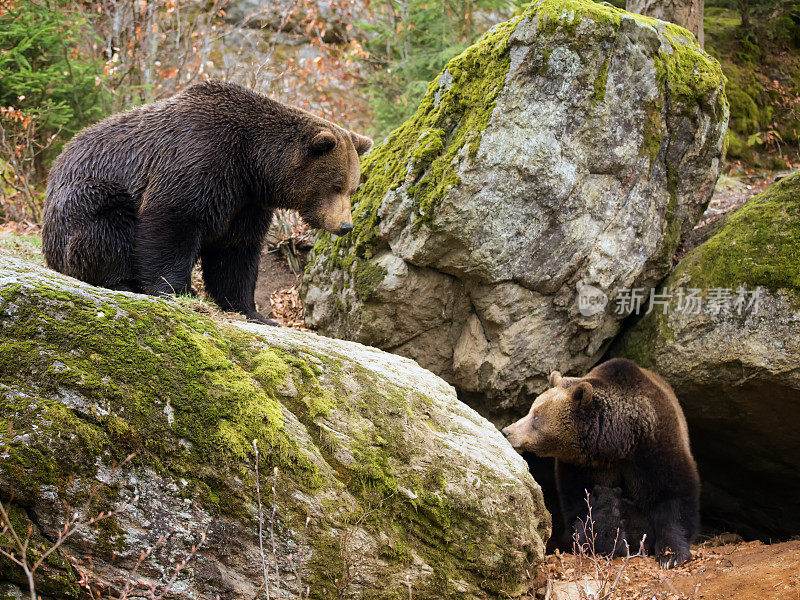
230, 275
573, 483
671, 543
166, 251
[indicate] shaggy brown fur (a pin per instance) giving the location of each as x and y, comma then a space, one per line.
134, 201
619, 426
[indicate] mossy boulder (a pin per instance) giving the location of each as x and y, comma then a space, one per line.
571, 146
736, 370
384, 481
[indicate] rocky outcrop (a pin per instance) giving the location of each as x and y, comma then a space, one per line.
570, 147
734, 361
384, 481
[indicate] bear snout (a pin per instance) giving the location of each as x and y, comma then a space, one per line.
345, 227
512, 435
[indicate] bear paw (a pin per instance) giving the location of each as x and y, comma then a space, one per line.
668, 558
256, 317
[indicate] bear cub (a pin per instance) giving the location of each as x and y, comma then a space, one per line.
611, 524
135, 200
618, 435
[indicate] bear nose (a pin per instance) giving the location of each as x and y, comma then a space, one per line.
505, 431
345, 228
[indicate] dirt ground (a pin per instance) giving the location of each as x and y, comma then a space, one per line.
717, 571
274, 276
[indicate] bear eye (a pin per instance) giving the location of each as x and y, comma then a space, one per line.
337, 189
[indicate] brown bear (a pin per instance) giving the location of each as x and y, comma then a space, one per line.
135, 200
620, 426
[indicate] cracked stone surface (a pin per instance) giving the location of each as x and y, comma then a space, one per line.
601, 149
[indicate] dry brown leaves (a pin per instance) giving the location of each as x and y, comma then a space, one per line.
20, 228
287, 308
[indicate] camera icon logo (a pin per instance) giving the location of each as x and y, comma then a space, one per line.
591, 300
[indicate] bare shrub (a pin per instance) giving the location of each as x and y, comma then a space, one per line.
593, 575
22, 143
17, 548
289, 235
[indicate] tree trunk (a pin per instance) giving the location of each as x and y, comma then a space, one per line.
686, 13
744, 11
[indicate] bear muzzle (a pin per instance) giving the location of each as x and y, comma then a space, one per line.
513, 437
345, 227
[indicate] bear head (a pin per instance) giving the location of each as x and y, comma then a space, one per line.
551, 427
328, 174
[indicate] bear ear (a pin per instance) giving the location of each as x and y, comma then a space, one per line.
582, 393
361, 143
555, 379
323, 142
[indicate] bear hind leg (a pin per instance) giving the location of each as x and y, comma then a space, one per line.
99, 250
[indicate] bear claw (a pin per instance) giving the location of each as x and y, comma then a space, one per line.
669, 559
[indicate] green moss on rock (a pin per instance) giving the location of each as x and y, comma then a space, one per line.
650, 330
758, 246
163, 374
653, 132
89, 376
366, 278
423, 154
691, 75
452, 114
600, 83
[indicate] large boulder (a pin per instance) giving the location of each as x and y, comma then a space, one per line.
572, 146
735, 363
406, 489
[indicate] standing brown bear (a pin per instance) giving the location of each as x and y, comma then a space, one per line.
621, 427
135, 200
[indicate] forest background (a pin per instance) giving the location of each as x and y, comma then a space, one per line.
65, 64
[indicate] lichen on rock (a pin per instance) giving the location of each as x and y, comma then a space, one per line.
378, 453
571, 146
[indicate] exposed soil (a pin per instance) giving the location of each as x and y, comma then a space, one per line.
743, 572
274, 276
717, 571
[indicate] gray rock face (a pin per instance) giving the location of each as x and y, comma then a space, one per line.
735, 364
597, 145
385, 481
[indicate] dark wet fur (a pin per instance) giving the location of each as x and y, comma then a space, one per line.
134, 201
631, 439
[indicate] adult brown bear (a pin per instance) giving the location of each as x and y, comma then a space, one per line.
620, 426
135, 200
